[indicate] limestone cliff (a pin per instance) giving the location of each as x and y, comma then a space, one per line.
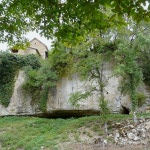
58, 104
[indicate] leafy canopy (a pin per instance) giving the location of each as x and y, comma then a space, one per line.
70, 19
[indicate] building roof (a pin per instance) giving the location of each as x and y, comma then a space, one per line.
40, 42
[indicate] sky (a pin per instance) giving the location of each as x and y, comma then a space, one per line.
30, 36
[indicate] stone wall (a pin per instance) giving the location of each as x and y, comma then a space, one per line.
36, 47
28, 51
36, 44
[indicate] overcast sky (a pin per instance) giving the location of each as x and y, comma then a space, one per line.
30, 36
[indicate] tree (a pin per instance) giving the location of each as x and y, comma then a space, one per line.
66, 20
142, 44
133, 48
130, 71
89, 61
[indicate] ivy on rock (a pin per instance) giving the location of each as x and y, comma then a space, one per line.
39, 82
9, 67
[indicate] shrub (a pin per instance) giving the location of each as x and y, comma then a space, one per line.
39, 82
141, 98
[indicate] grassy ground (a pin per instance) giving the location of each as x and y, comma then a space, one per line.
31, 133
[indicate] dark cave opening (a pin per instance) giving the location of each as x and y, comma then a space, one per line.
125, 110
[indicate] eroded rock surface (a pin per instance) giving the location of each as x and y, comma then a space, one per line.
58, 104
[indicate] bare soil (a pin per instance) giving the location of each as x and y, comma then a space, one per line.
83, 146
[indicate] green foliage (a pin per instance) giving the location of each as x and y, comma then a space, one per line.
9, 67
43, 99
78, 18
21, 45
89, 56
133, 59
104, 107
142, 43
129, 69
8, 71
146, 71
141, 98
60, 59
30, 60
39, 82
35, 132
77, 96
104, 110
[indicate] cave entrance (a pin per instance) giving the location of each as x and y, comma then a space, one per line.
125, 110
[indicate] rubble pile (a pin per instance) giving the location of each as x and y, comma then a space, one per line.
126, 132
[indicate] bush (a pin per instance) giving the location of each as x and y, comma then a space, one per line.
39, 82
141, 99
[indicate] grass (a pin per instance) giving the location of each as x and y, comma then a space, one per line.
31, 133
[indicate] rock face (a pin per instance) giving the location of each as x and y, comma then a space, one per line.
58, 99
58, 104
20, 100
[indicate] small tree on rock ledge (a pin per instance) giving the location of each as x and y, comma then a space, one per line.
89, 63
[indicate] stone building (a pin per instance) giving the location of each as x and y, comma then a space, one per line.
36, 47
